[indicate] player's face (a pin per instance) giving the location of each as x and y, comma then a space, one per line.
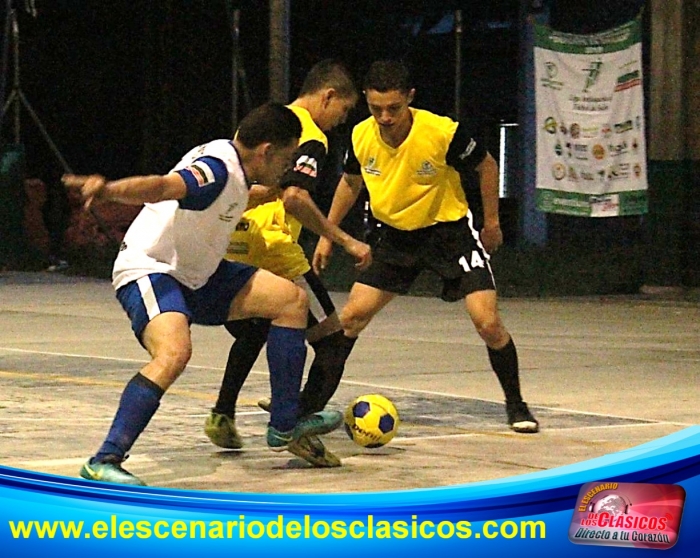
390, 108
336, 112
278, 161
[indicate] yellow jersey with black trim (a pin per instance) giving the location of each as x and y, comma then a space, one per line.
266, 236
413, 186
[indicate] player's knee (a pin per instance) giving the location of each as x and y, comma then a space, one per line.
173, 359
295, 305
353, 322
490, 329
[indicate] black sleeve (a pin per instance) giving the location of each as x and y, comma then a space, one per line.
466, 151
351, 164
308, 159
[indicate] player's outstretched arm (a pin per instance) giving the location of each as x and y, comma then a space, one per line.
344, 199
298, 203
135, 190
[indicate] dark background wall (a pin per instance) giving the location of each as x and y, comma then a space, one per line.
126, 87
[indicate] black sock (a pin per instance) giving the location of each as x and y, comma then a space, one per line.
326, 371
251, 336
504, 362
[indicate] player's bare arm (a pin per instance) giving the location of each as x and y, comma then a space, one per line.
491, 234
134, 190
260, 194
344, 199
298, 203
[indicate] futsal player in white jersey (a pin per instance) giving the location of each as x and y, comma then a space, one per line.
170, 272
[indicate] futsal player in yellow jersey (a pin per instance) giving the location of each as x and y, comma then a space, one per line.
267, 237
409, 161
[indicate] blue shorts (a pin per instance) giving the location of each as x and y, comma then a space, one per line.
157, 293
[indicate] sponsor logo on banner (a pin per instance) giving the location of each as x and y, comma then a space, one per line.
587, 175
581, 151
620, 171
558, 171
592, 74
628, 80
633, 515
622, 127
617, 149
590, 131
550, 125
552, 70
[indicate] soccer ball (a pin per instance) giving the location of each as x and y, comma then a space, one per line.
371, 421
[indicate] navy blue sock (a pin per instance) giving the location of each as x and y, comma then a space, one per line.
139, 402
286, 356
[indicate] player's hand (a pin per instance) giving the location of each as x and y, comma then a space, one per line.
361, 252
491, 237
91, 186
321, 255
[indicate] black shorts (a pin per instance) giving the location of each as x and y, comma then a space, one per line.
452, 250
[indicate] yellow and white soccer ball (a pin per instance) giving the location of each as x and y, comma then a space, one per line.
371, 420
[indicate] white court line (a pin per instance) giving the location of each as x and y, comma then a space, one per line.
398, 441
65, 420
610, 426
366, 384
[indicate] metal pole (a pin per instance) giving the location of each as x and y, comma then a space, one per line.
234, 70
15, 35
279, 50
5, 53
458, 63
533, 221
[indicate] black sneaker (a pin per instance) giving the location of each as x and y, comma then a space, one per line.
520, 418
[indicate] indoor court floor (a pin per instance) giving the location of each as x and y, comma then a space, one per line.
602, 375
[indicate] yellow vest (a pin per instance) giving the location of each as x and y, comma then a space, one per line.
266, 236
411, 187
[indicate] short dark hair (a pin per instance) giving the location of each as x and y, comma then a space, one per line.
388, 75
271, 122
329, 73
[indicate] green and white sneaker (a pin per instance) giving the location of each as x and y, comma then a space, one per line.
109, 471
316, 424
221, 430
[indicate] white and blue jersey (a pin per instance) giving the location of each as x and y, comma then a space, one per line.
187, 238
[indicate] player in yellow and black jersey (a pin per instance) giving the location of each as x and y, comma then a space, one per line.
267, 237
410, 161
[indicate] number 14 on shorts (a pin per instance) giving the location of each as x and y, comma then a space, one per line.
476, 261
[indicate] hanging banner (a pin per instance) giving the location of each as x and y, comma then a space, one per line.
591, 153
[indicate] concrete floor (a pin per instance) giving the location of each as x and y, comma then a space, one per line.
601, 374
